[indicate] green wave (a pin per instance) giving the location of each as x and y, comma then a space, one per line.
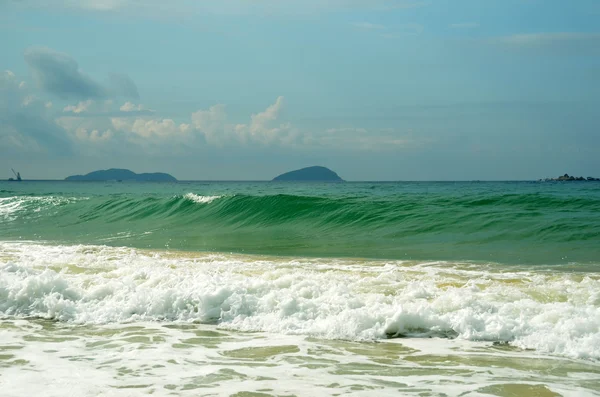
524, 228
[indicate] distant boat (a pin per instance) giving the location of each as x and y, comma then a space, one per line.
17, 174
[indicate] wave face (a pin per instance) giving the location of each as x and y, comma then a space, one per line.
524, 223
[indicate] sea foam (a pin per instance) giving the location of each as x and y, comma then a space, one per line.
200, 199
556, 313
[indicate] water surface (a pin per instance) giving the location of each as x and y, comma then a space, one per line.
265, 289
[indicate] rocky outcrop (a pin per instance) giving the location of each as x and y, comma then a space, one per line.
570, 178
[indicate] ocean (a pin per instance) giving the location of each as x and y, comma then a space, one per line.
295, 289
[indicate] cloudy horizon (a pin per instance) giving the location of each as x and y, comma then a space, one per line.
238, 90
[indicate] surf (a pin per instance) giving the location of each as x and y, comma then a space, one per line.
333, 299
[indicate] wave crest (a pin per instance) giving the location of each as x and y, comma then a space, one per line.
201, 199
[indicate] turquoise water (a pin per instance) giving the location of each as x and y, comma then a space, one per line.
504, 222
276, 289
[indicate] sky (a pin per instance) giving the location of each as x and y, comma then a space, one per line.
246, 90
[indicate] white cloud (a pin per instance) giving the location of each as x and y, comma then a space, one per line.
153, 129
128, 107
81, 107
94, 136
29, 123
131, 107
213, 124
262, 128
87, 130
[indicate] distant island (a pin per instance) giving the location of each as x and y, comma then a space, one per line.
570, 178
309, 174
116, 174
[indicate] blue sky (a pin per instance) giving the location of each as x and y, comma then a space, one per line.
240, 89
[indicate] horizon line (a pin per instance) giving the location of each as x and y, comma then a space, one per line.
270, 180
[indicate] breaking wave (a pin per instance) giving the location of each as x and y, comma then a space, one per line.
488, 226
557, 313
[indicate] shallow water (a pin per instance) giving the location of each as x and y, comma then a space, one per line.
133, 293
195, 359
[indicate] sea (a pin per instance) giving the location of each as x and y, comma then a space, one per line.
257, 289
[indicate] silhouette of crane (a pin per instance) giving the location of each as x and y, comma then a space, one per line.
17, 174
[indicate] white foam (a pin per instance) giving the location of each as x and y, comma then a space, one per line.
201, 199
148, 359
336, 299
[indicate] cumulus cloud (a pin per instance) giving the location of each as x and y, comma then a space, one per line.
210, 126
81, 130
213, 124
94, 136
81, 107
59, 74
29, 123
263, 127
164, 129
131, 107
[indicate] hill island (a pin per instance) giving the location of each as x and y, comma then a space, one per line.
116, 174
309, 174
